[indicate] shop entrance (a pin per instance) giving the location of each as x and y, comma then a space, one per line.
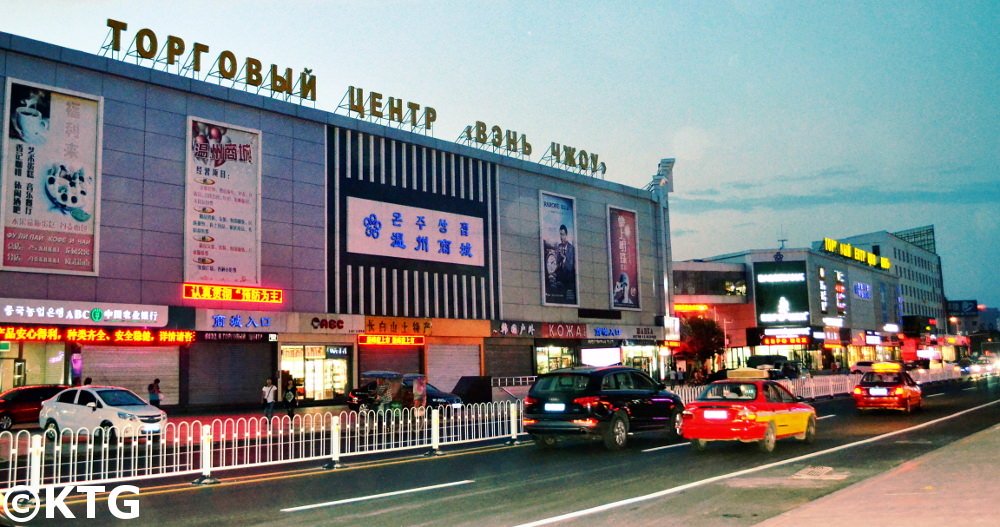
320, 371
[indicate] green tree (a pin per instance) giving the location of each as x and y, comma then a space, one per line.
702, 339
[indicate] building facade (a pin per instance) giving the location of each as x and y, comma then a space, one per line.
162, 226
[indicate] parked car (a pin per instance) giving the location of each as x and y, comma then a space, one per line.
101, 410
887, 386
22, 404
604, 403
747, 407
364, 397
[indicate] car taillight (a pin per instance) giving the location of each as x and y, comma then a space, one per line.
858, 390
587, 401
530, 400
899, 390
745, 414
527, 421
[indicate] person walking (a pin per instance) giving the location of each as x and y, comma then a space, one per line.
154, 393
268, 395
290, 399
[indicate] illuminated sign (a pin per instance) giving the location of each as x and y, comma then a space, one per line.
863, 290
784, 341
850, 252
552, 330
232, 294
91, 335
781, 293
236, 336
19, 311
250, 73
689, 308
824, 298
392, 110
571, 158
391, 340
386, 229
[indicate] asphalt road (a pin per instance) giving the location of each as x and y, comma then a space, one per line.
655, 481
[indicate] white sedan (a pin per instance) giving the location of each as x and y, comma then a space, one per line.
96, 410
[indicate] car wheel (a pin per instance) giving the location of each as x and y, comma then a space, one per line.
907, 408
678, 422
6, 423
51, 429
810, 435
699, 444
545, 441
616, 435
363, 407
106, 431
766, 445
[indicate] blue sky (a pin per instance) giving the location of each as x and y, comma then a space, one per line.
797, 120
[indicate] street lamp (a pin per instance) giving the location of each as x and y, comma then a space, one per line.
954, 320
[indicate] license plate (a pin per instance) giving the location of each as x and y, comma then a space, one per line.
878, 391
555, 407
716, 414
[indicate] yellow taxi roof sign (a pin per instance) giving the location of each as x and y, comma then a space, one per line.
887, 367
746, 373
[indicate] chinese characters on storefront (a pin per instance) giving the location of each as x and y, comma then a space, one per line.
623, 254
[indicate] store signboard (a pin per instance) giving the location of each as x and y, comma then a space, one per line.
330, 324
96, 335
514, 328
24, 311
51, 180
237, 320
222, 204
555, 330
387, 229
235, 336
623, 257
606, 331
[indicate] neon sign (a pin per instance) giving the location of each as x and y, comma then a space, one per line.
391, 340
848, 251
90, 335
233, 294
784, 341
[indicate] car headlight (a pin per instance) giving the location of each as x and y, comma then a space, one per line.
127, 416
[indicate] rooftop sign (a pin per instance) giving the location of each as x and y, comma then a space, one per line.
846, 250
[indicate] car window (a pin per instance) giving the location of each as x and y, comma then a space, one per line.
120, 398
609, 382
778, 394
561, 383
624, 381
10, 397
86, 398
729, 391
641, 382
67, 397
877, 379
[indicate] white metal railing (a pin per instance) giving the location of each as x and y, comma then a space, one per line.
74, 457
502, 382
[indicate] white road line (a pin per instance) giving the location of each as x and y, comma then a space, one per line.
376, 496
969, 389
675, 445
820, 418
693, 484
936, 395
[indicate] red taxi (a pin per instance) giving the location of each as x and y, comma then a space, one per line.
887, 386
747, 407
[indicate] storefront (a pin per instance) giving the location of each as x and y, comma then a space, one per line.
66, 342
318, 354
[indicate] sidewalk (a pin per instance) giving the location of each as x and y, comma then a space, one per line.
951, 485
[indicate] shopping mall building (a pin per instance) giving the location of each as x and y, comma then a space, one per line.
208, 226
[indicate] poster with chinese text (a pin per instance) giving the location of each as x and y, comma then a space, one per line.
222, 204
623, 257
51, 179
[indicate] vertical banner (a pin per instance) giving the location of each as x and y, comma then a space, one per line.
623, 258
222, 204
50, 180
557, 218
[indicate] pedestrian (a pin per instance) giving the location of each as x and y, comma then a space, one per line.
87, 381
290, 400
268, 394
154, 393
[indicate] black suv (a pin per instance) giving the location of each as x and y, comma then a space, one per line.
604, 403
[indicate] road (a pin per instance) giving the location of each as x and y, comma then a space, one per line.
655, 481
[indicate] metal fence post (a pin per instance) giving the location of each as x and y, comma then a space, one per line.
206, 460
35, 460
514, 422
435, 432
334, 445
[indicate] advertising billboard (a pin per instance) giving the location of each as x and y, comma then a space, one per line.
557, 218
222, 204
781, 294
623, 258
51, 174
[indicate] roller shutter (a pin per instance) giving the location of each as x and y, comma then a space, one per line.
393, 358
225, 374
446, 364
133, 368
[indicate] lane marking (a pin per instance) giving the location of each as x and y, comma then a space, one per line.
825, 417
675, 445
376, 496
694, 484
935, 395
969, 389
